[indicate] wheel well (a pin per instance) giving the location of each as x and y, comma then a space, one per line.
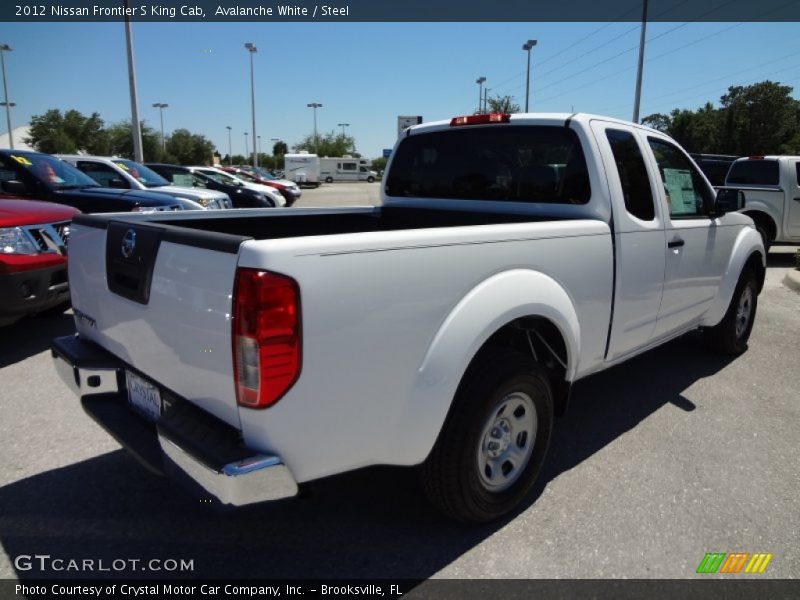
538, 337
765, 221
756, 264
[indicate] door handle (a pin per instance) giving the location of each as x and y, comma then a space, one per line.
675, 243
797, 199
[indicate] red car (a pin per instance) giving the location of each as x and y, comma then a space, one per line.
33, 258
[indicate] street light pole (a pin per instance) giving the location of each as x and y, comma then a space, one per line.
245, 144
251, 48
8, 104
161, 106
485, 99
315, 106
258, 162
527, 47
480, 81
230, 147
136, 126
638, 94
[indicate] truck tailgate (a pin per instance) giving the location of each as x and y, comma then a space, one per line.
159, 299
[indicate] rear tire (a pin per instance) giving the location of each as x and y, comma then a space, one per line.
494, 441
329, 180
730, 336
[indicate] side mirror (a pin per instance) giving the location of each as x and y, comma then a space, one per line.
14, 187
728, 200
118, 184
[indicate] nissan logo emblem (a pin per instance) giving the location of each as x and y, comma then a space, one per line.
128, 243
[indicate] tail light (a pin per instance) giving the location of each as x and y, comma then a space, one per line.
266, 336
480, 119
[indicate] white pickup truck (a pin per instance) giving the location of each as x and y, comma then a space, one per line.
252, 352
771, 186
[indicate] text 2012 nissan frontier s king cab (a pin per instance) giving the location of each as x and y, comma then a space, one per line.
251, 352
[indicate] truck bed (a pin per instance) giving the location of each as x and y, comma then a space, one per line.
278, 224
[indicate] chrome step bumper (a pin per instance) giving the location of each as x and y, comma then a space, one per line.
217, 467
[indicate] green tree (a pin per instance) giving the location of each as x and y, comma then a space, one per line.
502, 104
190, 148
762, 118
379, 164
332, 144
120, 138
70, 132
280, 148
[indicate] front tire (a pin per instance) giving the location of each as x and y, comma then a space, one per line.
494, 441
730, 336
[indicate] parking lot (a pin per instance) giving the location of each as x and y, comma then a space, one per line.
674, 454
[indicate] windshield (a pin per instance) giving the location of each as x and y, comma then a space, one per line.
213, 175
141, 173
52, 172
264, 174
221, 177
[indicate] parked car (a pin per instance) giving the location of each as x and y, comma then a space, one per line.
241, 196
45, 177
288, 189
714, 166
231, 179
512, 256
771, 186
33, 258
121, 173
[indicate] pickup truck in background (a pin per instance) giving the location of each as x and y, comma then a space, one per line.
45, 177
771, 186
33, 258
246, 353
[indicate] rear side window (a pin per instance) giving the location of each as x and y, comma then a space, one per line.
632, 174
502, 163
754, 172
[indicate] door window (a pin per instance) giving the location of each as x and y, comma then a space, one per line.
686, 190
632, 174
101, 173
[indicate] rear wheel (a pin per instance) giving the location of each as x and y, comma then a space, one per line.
329, 180
494, 441
730, 336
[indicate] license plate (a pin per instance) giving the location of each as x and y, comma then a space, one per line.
143, 397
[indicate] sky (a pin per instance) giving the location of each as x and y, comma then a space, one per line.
367, 74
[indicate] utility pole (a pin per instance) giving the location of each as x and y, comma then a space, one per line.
527, 46
136, 126
315, 106
251, 48
8, 103
480, 81
161, 106
230, 147
638, 95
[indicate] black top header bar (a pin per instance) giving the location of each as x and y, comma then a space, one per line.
336, 11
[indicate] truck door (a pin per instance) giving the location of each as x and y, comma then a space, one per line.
697, 247
638, 230
793, 200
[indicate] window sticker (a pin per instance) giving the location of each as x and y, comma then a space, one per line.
22, 160
182, 179
680, 191
122, 166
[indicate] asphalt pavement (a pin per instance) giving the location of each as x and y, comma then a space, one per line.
674, 454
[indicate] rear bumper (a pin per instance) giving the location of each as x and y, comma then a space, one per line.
187, 444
